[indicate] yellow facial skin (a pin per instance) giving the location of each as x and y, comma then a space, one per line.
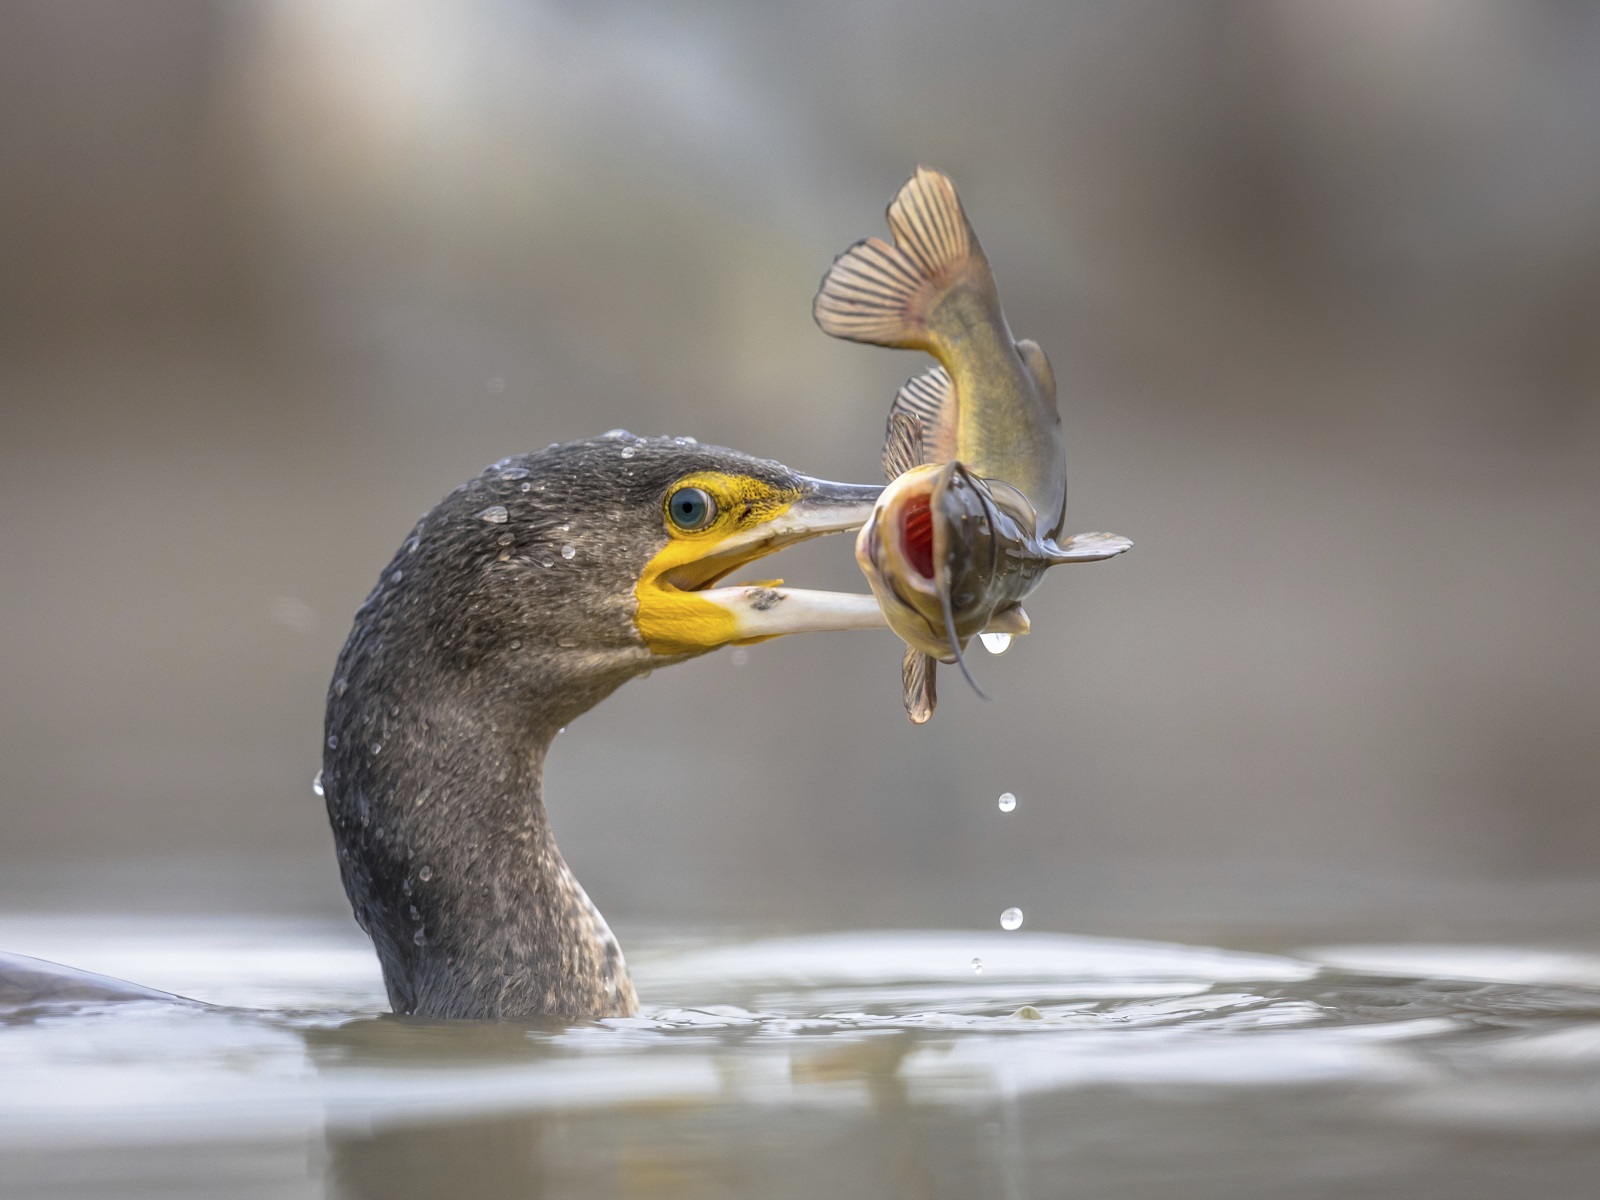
673, 618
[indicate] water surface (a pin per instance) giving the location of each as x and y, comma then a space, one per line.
874, 1064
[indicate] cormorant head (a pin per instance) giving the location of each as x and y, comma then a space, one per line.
561, 573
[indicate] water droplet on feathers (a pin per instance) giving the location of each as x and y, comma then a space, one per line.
628, 452
514, 474
568, 553
495, 514
425, 873
316, 784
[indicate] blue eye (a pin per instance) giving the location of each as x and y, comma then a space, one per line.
691, 508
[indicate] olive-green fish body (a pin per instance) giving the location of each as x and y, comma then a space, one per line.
949, 554
991, 403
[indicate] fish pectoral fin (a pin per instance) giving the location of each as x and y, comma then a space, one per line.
917, 673
1038, 364
1011, 620
882, 294
931, 399
902, 445
1087, 547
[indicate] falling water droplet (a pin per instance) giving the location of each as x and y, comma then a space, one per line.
628, 452
495, 514
1011, 919
425, 873
740, 656
316, 784
977, 966
568, 553
1007, 802
995, 643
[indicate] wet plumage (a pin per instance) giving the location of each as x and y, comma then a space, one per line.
480, 641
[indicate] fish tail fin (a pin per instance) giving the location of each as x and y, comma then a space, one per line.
883, 294
917, 672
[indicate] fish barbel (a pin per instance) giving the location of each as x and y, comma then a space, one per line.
974, 452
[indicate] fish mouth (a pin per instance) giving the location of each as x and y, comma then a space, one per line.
914, 529
898, 553
901, 549
682, 611
896, 548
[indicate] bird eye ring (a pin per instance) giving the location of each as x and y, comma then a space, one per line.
691, 508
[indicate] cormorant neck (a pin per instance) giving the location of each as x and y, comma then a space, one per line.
434, 788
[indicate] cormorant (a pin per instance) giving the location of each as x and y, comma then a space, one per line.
522, 600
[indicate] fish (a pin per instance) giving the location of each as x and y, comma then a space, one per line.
974, 452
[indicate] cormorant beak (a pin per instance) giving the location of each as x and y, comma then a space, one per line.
680, 612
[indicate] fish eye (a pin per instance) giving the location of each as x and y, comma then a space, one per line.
691, 508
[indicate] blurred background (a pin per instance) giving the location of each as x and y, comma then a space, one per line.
1321, 283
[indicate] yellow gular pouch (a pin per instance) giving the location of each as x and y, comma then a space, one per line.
672, 618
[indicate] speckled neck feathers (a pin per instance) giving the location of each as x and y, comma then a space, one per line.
481, 639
